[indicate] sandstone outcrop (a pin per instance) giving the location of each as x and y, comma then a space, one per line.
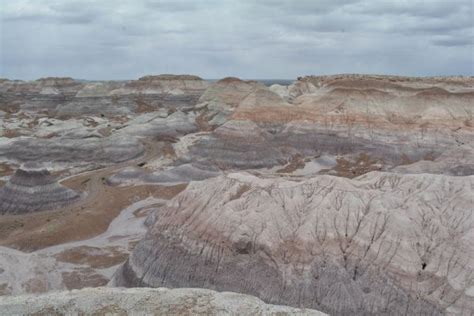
105, 301
32, 188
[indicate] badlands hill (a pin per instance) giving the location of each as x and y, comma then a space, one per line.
323, 243
32, 188
348, 194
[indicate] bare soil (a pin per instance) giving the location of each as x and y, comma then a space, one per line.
35, 231
297, 162
359, 166
83, 278
5, 169
87, 218
97, 258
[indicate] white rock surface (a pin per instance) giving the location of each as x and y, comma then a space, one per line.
144, 301
334, 244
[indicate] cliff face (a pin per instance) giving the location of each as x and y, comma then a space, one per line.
102, 301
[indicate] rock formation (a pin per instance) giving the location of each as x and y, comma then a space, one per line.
238, 144
170, 84
65, 97
175, 175
105, 301
32, 188
151, 125
223, 97
351, 194
91, 151
379, 244
230, 91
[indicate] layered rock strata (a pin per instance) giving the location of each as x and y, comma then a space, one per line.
395, 120
379, 244
174, 175
65, 150
66, 97
238, 144
32, 188
394, 241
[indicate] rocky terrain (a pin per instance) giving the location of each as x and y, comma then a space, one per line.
347, 194
161, 301
323, 243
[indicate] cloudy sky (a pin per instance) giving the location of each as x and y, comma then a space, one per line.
125, 39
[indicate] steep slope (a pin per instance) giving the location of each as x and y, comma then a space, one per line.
32, 188
379, 244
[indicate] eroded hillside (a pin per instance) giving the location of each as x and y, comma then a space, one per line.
349, 194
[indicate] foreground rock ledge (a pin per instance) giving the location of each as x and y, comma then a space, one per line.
143, 301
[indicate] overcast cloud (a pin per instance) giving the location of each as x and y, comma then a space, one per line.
125, 39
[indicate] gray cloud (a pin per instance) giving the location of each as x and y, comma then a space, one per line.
62, 13
172, 6
416, 8
118, 39
454, 42
303, 7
